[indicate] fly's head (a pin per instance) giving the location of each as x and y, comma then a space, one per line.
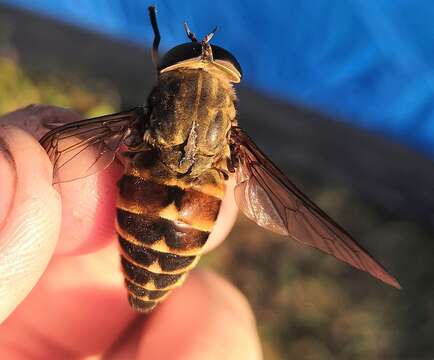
196, 55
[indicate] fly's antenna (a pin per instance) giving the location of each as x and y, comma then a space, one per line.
208, 38
206, 47
189, 33
153, 17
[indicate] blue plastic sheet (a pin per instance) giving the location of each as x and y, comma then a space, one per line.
369, 63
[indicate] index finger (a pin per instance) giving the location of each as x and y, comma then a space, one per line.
88, 205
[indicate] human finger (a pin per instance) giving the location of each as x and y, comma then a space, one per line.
77, 309
225, 219
88, 205
206, 318
30, 216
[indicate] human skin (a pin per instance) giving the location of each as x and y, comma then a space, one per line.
61, 288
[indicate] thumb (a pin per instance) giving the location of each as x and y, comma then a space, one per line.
30, 215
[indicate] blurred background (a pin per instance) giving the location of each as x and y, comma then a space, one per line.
339, 94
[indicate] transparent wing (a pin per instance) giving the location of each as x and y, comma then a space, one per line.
85, 147
270, 199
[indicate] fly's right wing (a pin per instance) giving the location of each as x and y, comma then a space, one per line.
271, 200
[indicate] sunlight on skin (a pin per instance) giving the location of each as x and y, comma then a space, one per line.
79, 306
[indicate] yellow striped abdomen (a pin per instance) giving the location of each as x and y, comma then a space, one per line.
163, 224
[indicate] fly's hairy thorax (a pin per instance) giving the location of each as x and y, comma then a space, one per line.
170, 196
191, 113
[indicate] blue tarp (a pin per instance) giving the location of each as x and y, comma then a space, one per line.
369, 63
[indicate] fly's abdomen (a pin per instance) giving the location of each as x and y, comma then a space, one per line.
162, 224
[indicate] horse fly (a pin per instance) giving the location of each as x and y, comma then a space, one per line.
178, 149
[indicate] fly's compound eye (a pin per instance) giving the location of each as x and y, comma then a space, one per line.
193, 50
180, 53
224, 56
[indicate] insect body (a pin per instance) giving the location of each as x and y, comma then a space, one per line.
170, 195
180, 148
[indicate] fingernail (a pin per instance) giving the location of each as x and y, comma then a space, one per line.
8, 178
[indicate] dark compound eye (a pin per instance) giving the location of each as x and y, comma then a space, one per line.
193, 50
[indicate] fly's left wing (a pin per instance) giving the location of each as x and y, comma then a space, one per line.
270, 199
85, 147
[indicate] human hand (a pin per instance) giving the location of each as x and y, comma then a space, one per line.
61, 288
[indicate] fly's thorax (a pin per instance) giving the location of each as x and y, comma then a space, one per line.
191, 113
